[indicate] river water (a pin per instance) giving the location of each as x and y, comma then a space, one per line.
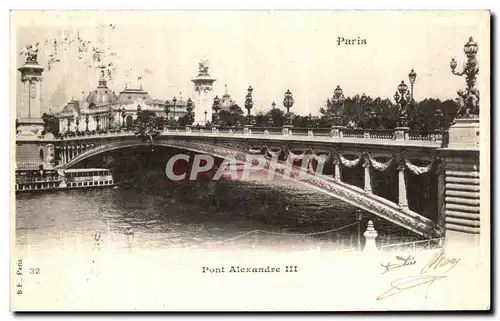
201, 214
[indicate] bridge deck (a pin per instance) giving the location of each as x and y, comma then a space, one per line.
415, 142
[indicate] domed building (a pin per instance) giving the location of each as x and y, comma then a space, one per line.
103, 109
226, 101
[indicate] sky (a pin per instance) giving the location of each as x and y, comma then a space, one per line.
270, 50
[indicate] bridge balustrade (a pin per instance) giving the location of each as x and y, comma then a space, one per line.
353, 133
426, 137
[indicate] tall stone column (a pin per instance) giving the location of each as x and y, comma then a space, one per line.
403, 197
203, 85
29, 110
368, 181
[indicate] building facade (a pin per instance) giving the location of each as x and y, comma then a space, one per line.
104, 109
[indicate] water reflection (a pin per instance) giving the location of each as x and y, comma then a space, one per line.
193, 215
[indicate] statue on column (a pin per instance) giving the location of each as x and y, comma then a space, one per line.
468, 103
31, 53
203, 67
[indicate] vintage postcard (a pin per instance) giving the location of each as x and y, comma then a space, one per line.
250, 160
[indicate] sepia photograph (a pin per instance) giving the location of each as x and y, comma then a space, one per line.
280, 160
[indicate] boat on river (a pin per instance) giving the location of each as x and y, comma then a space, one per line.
56, 179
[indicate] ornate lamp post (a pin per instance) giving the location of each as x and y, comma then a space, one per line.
373, 119
123, 117
412, 76
402, 98
216, 108
77, 122
166, 108
205, 116
87, 123
189, 108
288, 103
249, 104
469, 100
338, 103
174, 102
439, 119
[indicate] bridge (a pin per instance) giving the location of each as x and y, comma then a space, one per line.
417, 151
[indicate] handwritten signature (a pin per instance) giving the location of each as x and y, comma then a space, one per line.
439, 264
409, 260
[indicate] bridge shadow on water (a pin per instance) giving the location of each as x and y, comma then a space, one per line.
226, 213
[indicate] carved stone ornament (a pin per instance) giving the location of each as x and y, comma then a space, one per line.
32, 89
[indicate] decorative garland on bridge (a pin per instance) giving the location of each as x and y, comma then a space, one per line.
349, 163
317, 158
296, 157
418, 170
378, 165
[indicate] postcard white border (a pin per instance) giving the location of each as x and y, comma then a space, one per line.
128, 4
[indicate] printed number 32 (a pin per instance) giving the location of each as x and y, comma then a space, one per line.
34, 271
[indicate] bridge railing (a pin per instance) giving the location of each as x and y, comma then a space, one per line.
427, 136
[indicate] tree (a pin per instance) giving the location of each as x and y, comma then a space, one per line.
300, 121
145, 125
160, 122
423, 115
276, 117
232, 116
259, 119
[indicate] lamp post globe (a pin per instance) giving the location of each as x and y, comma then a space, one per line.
469, 99
412, 76
453, 64
249, 103
338, 91
288, 103
402, 87
471, 48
